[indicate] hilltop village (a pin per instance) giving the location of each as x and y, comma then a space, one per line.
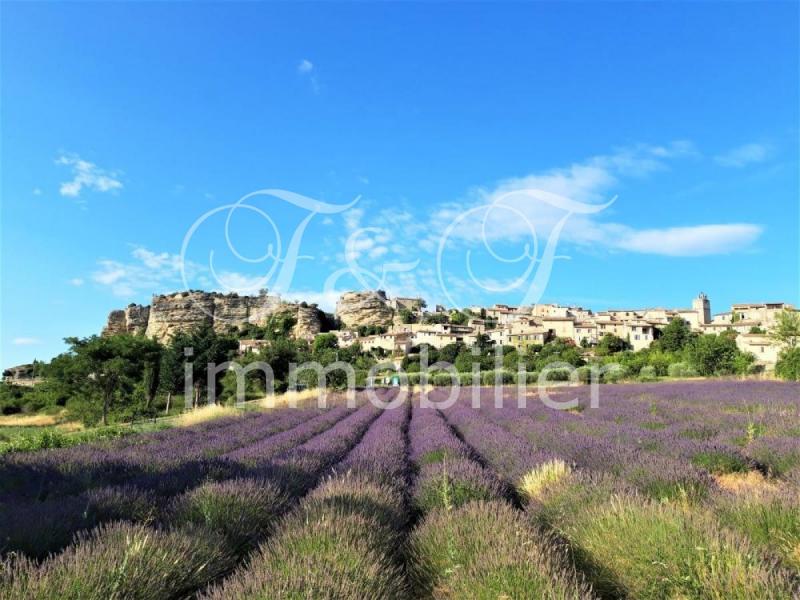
396, 325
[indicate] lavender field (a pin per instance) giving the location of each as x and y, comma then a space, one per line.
685, 490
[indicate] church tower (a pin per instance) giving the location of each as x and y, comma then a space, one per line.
702, 305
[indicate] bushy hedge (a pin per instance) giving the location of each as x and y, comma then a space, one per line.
681, 369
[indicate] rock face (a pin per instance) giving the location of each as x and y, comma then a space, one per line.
132, 319
308, 323
184, 311
364, 308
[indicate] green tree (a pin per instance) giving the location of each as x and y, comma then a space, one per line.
280, 325
788, 365
208, 349
458, 317
406, 316
787, 328
449, 352
713, 354
325, 341
675, 336
171, 370
112, 366
611, 344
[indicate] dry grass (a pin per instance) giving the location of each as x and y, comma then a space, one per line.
205, 413
750, 481
70, 426
39, 420
545, 476
292, 398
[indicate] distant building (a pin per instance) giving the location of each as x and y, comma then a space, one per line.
702, 306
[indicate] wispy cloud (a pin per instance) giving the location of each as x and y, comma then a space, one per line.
147, 272
26, 341
307, 69
86, 175
76, 281
241, 283
699, 240
590, 182
744, 155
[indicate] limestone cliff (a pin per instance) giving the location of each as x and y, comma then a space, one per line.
185, 311
132, 319
364, 308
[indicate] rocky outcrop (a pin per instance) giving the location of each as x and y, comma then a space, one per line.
308, 323
355, 309
132, 319
185, 311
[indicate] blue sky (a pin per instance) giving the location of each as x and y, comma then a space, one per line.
123, 124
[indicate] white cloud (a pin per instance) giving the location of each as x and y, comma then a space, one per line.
326, 300
76, 281
26, 341
306, 69
352, 219
742, 156
37, 191
590, 183
147, 273
86, 175
240, 283
699, 240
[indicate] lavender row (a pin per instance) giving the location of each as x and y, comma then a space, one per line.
71, 470
343, 540
447, 475
37, 528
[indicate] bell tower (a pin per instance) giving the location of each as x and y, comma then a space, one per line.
702, 305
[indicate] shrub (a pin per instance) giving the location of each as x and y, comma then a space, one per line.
719, 462
450, 484
558, 375
243, 511
486, 550
40, 528
631, 547
465, 379
491, 377
681, 369
357, 494
614, 375
442, 379
321, 553
531, 377
538, 480
121, 561
585, 374
788, 365
648, 373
